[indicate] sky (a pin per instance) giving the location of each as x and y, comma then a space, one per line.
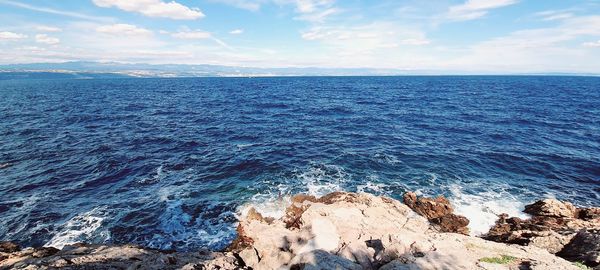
503, 36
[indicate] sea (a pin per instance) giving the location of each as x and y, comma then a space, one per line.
170, 163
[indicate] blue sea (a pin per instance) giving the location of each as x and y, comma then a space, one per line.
169, 163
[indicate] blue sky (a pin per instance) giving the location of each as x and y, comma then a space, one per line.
448, 35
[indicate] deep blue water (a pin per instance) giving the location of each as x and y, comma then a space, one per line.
166, 163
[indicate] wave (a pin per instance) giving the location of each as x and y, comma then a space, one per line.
85, 227
317, 180
482, 209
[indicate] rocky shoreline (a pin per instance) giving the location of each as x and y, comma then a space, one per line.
360, 231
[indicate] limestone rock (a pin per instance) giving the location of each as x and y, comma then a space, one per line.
439, 211
429, 208
9, 247
558, 227
338, 231
589, 214
551, 208
322, 260
452, 223
250, 257
585, 247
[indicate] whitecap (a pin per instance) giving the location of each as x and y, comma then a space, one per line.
483, 209
84, 227
317, 180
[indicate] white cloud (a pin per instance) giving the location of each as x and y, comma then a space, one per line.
11, 36
45, 39
540, 49
196, 34
318, 16
311, 6
415, 41
236, 31
474, 9
592, 44
154, 8
372, 44
44, 28
252, 5
123, 29
554, 15
56, 11
308, 10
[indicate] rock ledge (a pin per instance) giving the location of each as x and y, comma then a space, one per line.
338, 231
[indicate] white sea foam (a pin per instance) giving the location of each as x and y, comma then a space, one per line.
483, 209
372, 185
323, 179
317, 181
85, 227
179, 229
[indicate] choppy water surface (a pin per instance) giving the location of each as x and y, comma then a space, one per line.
166, 163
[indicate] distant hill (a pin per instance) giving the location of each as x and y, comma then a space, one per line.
82, 69
149, 70
43, 75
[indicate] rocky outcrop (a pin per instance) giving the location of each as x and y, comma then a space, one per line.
337, 231
8, 247
81, 256
558, 227
361, 231
439, 212
585, 248
551, 208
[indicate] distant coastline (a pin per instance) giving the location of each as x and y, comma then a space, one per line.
86, 70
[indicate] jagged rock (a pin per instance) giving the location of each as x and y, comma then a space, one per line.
452, 223
585, 247
338, 231
429, 208
371, 232
44, 252
588, 214
250, 257
242, 241
439, 211
301, 198
321, 260
339, 196
551, 208
9, 247
558, 227
255, 215
539, 232
117, 257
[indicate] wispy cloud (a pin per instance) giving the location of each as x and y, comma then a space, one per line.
594, 44
474, 9
44, 28
187, 34
11, 36
45, 39
554, 15
154, 8
252, 5
56, 11
308, 10
195, 34
236, 31
122, 29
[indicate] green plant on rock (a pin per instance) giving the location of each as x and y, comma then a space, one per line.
504, 259
582, 266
